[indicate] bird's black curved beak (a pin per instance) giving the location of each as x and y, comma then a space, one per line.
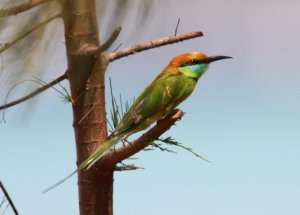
215, 58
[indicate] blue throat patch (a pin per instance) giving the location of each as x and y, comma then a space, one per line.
194, 71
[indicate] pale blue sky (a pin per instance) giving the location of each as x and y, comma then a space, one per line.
244, 117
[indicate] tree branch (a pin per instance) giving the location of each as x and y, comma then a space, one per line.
34, 93
110, 40
116, 156
10, 44
21, 7
93, 50
152, 44
8, 198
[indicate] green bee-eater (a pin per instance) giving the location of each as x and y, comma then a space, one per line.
171, 87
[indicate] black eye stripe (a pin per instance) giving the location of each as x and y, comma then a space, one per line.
192, 62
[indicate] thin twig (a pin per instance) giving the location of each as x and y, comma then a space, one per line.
3, 201
8, 199
66, 97
120, 168
152, 44
6, 207
11, 89
176, 29
117, 48
2, 65
34, 93
11, 43
114, 112
41, 82
87, 114
21, 7
122, 153
126, 167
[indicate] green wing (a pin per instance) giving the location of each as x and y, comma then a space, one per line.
157, 100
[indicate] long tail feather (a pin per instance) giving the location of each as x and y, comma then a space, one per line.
99, 153
90, 161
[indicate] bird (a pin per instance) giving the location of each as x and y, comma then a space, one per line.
171, 87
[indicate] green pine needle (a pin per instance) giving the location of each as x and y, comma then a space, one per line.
171, 141
123, 167
159, 146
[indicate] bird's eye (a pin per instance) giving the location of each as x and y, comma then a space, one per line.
192, 62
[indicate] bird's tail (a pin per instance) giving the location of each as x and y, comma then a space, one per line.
90, 161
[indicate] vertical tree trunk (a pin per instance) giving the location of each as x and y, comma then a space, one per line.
86, 77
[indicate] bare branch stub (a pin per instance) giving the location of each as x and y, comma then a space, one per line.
152, 44
116, 156
21, 7
127, 168
110, 41
34, 93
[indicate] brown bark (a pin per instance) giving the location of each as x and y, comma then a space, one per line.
86, 76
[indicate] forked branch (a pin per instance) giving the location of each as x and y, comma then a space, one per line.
21, 7
152, 44
34, 93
